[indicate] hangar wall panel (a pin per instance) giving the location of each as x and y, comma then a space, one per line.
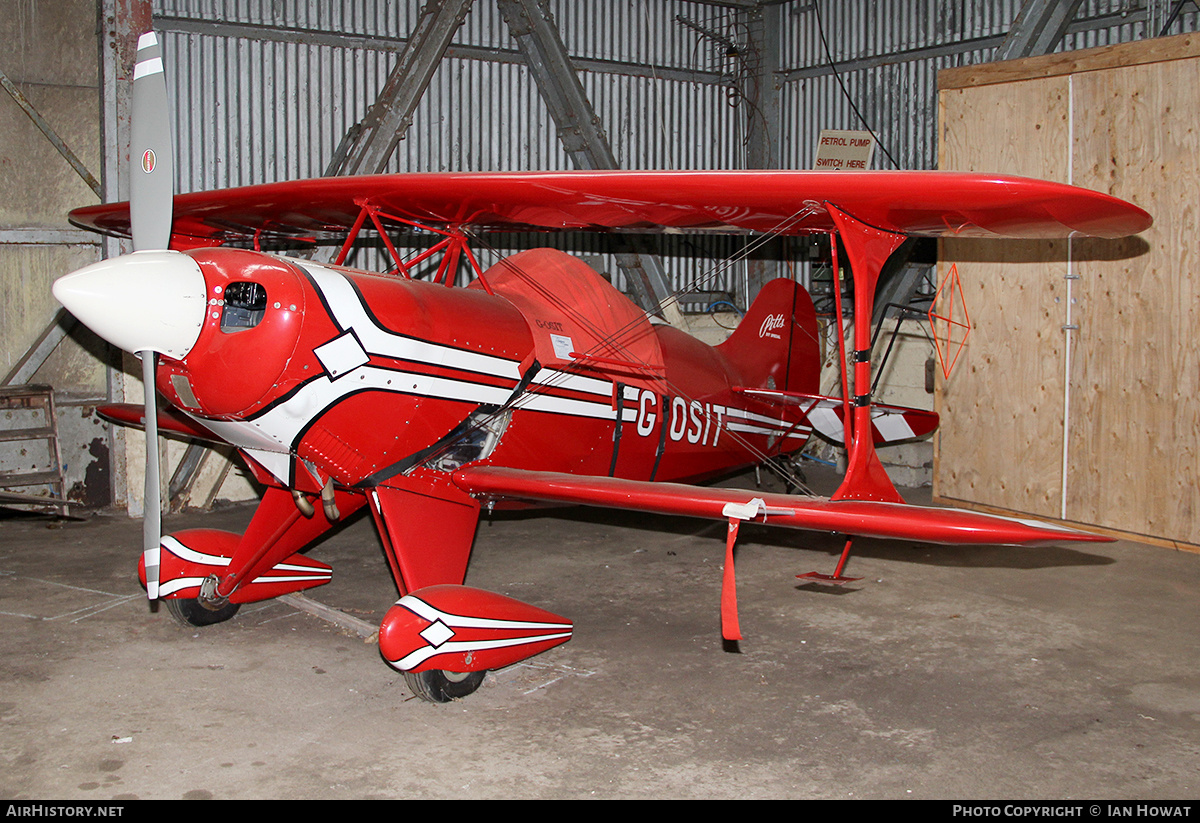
1110, 435
887, 55
266, 91
1009, 380
36, 244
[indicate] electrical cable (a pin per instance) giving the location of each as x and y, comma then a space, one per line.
836, 76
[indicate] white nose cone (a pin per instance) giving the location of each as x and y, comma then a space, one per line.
145, 301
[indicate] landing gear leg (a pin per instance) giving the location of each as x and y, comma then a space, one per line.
205, 610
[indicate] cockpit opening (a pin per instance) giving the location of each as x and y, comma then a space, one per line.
245, 305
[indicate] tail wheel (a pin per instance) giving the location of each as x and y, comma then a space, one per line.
191, 612
439, 686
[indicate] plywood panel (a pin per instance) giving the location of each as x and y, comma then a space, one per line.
1000, 439
1063, 63
1135, 402
1132, 420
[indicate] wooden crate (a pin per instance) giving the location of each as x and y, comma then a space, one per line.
1109, 436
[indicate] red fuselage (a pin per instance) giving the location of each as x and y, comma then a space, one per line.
365, 376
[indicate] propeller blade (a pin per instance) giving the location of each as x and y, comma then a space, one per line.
152, 179
151, 301
151, 201
151, 515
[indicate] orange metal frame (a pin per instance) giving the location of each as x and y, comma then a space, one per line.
453, 246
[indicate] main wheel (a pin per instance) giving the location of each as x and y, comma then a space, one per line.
439, 686
191, 612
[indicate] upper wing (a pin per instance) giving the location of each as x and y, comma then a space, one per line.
860, 518
927, 203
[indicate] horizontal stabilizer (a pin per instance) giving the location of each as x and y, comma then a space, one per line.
862, 518
134, 415
889, 424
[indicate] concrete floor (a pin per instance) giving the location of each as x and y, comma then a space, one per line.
1053, 673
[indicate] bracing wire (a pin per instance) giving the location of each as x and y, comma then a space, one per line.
612, 339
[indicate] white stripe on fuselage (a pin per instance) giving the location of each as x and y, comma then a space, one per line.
276, 430
349, 312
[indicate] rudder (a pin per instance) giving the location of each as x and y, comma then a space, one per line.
777, 345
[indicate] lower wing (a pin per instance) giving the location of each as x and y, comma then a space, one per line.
861, 518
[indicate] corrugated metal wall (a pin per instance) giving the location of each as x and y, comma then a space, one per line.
265, 89
887, 55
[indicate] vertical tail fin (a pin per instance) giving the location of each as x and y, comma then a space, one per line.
777, 345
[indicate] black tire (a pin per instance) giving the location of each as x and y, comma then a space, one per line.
438, 686
190, 612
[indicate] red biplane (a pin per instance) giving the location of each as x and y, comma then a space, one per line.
539, 383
